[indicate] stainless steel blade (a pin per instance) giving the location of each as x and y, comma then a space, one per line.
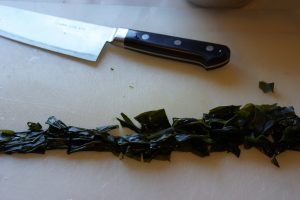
78, 39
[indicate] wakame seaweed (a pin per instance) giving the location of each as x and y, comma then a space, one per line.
271, 129
266, 87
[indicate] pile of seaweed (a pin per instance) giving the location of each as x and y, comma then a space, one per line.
269, 128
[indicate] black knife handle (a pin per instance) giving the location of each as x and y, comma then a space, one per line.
209, 55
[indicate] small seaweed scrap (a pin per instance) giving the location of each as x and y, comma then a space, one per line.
266, 87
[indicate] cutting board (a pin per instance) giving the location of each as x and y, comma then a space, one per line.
36, 84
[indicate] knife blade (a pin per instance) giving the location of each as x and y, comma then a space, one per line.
85, 40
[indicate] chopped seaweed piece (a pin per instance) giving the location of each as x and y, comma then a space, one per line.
266, 87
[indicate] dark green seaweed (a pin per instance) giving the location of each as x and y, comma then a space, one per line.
271, 129
266, 87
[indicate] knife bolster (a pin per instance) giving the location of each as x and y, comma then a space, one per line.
119, 37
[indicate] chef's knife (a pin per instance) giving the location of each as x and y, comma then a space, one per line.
84, 40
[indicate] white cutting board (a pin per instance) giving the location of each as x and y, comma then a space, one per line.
35, 84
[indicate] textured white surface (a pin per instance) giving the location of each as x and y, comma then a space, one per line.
35, 84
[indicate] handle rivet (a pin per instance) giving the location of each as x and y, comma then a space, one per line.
209, 48
145, 36
177, 42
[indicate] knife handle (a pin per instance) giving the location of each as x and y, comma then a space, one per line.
208, 55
